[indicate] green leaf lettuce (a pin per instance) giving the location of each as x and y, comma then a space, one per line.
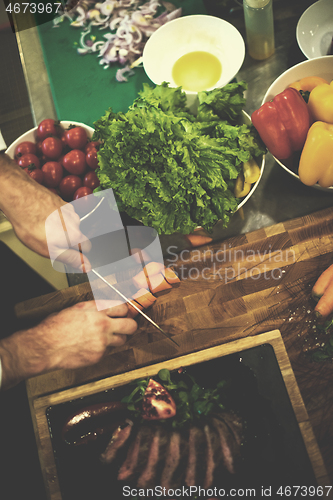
170, 169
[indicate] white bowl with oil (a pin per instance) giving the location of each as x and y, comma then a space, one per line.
197, 52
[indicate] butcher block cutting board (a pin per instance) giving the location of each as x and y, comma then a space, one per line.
263, 357
232, 289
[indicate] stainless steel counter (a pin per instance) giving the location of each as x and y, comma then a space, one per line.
279, 196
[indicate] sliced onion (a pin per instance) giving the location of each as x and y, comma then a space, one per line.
129, 23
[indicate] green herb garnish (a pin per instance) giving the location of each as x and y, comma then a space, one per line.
325, 352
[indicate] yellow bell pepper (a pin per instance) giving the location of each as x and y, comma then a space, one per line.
320, 103
316, 162
308, 83
241, 188
251, 171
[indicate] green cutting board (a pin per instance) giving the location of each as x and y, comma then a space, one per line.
82, 89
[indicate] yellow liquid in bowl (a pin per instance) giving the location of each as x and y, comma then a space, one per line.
197, 71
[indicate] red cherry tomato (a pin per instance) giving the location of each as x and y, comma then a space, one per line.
76, 137
36, 174
28, 159
85, 203
68, 185
91, 158
24, 148
53, 174
52, 147
60, 159
65, 147
91, 145
75, 162
82, 192
39, 151
48, 128
43, 159
91, 180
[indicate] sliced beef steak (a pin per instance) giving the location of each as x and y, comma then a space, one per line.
146, 436
172, 460
178, 478
148, 476
192, 456
211, 459
229, 446
196, 457
235, 424
128, 467
117, 441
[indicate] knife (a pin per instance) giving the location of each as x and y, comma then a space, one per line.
167, 335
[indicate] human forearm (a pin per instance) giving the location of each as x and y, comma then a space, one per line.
19, 361
11, 175
16, 186
75, 337
23, 201
28, 204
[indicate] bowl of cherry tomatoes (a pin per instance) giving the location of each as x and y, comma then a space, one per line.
60, 155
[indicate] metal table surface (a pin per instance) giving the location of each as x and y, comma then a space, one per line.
279, 196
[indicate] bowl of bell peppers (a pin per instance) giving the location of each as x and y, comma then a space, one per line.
295, 121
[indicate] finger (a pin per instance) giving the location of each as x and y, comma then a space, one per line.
85, 245
324, 306
123, 326
75, 259
118, 340
110, 307
117, 310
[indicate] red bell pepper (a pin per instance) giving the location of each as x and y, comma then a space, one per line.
283, 123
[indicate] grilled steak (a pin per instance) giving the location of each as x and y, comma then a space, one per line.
210, 460
118, 439
172, 460
128, 467
227, 443
148, 473
235, 425
196, 456
178, 477
193, 456
146, 436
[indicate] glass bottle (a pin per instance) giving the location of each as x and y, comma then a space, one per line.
258, 15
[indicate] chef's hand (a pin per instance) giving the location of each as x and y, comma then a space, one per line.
27, 205
75, 337
322, 292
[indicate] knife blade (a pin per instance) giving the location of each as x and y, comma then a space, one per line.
167, 335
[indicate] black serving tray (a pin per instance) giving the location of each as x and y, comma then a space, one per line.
274, 453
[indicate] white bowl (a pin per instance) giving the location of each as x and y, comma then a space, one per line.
190, 34
314, 29
320, 66
247, 120
31, 135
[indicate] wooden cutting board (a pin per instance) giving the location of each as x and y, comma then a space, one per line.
232, 289
42, 405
